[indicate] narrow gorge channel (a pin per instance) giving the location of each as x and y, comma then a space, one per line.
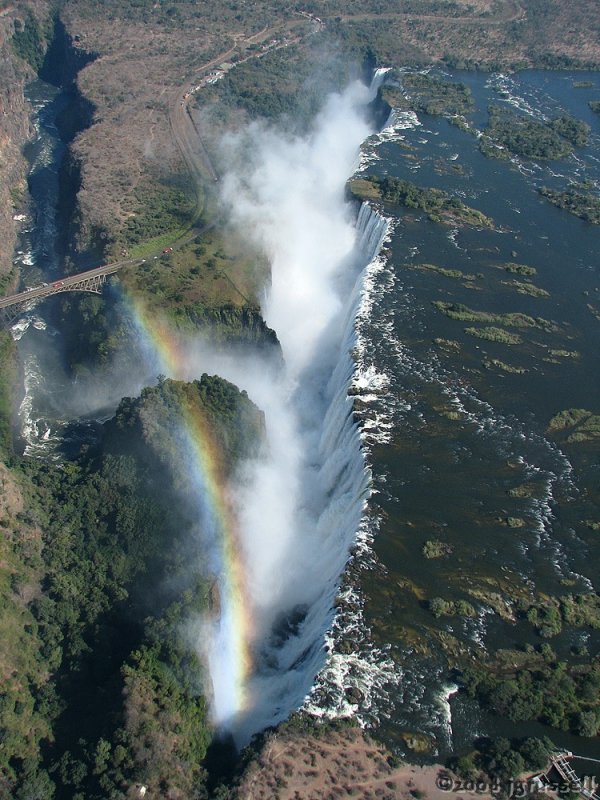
300, 505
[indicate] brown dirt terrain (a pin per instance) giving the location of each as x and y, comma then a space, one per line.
145, 60
15, 129
148, 53
345, 764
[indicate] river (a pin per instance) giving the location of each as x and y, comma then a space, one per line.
451, 436
446, 432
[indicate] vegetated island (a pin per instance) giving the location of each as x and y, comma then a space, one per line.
455, 274
515, 319
575, 425
437, 204
428, 94
509, 133
579, 201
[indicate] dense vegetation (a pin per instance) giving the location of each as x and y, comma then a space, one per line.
429, 94
493, 334
96, 334
281, 85
8, 371
577, 200
502, 760
29, 40
538, 686
533, 683
510, 133
548, 615
110, 694
166, 208
437, 204
575, 425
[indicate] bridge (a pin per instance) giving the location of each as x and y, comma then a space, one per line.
559, 760
90, 281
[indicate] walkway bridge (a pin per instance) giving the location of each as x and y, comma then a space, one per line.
559, 761
90, 281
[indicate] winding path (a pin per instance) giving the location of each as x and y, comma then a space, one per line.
188, 137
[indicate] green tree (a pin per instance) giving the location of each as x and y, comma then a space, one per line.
587, 723
536, 752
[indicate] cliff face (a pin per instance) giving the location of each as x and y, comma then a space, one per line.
15, 129
30, 44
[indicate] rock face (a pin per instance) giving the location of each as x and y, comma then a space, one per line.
15, 129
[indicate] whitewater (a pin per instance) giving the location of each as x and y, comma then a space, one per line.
300, 506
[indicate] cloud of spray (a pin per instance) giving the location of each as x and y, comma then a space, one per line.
287, 195
299, 506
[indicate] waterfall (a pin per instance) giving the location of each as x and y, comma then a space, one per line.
334, 483
300, 505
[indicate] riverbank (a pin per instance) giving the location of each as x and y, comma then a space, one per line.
347, 763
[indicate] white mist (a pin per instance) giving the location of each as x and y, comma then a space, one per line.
301, 504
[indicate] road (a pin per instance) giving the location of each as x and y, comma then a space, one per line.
67, 283
189, 139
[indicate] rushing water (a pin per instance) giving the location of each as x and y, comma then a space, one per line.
446, 433
46, 413
449, 433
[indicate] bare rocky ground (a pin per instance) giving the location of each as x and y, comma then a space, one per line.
342, 764
146, 54
15, 129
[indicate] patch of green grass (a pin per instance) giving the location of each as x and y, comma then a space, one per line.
578, 424
456, 274
209, 272
463, 313
524, 287
157, 244
492, 334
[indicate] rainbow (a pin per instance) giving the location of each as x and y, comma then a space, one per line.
227, 645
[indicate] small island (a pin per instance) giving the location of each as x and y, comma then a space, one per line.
579, 201
437, 204
510, 134
428, 94
512, 319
